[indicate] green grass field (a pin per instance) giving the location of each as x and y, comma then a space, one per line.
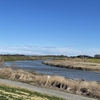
14, 93
93, 60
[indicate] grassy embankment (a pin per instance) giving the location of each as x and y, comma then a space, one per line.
93, 60
76, 63
15, 58
24, 57
15, 93
80, 87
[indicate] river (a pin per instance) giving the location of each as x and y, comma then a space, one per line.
46, 69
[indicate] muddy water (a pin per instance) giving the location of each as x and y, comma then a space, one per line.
45, 69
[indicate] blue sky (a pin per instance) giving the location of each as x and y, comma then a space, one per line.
68, 27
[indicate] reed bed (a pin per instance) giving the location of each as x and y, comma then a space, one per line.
81, 87
74, 64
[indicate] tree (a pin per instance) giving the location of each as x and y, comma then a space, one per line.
97, 56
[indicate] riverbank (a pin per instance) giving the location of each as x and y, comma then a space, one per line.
74, 64
17, 57
80, 87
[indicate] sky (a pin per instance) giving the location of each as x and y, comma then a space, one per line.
55, 27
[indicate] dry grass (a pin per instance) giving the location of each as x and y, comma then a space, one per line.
81, 87
87, 88
74, 63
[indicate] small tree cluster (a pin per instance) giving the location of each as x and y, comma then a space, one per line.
97, 56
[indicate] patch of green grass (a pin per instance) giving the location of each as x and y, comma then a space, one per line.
15, 58
7, 93
93, 60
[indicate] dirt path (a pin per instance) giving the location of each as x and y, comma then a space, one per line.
51, 92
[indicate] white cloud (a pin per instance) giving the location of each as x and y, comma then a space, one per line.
35, 50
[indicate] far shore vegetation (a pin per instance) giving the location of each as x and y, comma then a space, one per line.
80, 62
91, 64
14, 57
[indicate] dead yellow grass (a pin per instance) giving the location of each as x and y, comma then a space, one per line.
74, 64
81, 87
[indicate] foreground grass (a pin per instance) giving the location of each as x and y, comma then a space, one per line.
14, 93
80, 87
